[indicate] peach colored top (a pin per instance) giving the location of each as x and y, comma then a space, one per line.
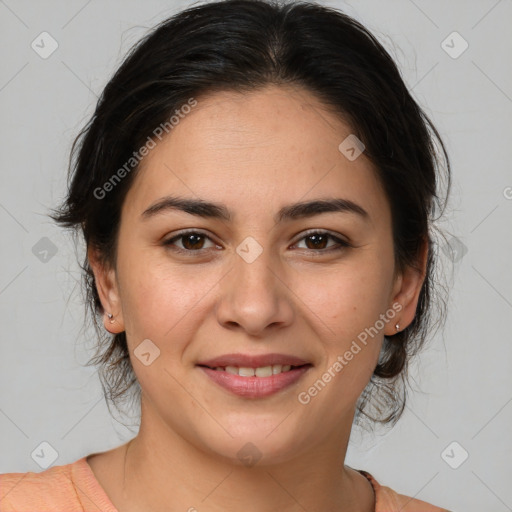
74, 488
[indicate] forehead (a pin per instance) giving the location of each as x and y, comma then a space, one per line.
263, 148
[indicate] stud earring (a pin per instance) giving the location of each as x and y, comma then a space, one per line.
397, 327
111, 318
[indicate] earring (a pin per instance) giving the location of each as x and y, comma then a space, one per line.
111, 317
397, 327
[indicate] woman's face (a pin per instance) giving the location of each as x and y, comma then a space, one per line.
256, 284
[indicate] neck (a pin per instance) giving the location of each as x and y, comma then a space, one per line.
162, 468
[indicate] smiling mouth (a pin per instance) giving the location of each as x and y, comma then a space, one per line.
262, 371
255, 382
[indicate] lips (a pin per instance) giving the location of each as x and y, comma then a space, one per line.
222, 371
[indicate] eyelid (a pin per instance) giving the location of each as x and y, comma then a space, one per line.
185, 232
341, 242
335, 236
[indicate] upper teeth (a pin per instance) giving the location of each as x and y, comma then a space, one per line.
263, 371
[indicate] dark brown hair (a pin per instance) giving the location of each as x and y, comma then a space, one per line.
244, 45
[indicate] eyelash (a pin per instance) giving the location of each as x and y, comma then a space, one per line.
342, 244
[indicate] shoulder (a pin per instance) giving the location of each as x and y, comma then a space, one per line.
64, 487
35, 491
387, 500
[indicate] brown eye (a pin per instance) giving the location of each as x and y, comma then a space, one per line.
191, 241
318, 240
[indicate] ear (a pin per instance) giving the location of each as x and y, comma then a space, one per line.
106, 285
406, 291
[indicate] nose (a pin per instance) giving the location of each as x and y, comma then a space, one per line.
254, 296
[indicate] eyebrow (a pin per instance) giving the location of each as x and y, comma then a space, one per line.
207, 209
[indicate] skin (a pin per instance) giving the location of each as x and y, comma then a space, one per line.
255, 153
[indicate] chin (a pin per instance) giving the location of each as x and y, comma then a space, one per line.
253, 445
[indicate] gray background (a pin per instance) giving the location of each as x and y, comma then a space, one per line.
462, 382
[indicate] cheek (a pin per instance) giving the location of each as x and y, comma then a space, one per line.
162, 301
347, 313
344, 308
345, 300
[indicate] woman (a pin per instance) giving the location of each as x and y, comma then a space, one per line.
256, 191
